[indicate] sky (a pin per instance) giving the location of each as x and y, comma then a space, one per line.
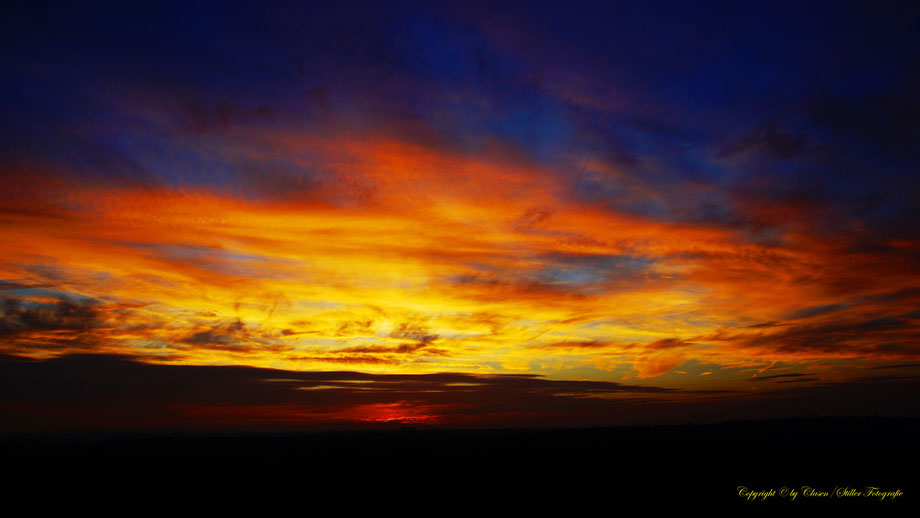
277, 215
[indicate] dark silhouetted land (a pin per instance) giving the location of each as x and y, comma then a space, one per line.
574, 470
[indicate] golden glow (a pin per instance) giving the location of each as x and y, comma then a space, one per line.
417, 261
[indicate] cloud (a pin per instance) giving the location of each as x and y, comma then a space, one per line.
413, 331
86, 392
778, 377
815, 311
235, 336
131, 393
557, 189
65, 314
347, 359
897, 366
767, 139
56, 326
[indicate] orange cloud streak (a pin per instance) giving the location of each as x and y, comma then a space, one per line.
416, 260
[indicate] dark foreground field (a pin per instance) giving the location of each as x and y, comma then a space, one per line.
432, 472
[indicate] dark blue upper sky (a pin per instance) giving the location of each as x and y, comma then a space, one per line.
758, 117
814, 101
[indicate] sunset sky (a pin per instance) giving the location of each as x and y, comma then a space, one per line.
250, 215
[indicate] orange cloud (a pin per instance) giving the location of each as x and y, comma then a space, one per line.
411, 259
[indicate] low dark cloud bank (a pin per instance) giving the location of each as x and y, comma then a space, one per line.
84, 392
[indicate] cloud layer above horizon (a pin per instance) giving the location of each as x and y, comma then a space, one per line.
655, 196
